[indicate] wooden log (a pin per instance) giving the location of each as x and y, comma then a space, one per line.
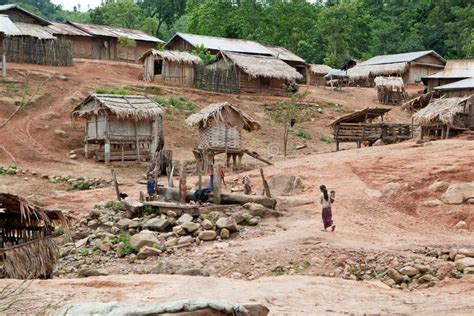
216, 192
226, 199
266, 188
117, 191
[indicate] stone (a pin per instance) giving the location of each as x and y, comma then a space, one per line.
171, 242
178, 230
390, 189
457, 192
464, 263
254, 221
432, 203
132, 258
147, 251
89, 272
395, 275
409, 271
171, 214
425, 278
378, 142
124, 223
468, 270
115, 230
190, 227
224, 233
142, 239
422, 268
192, 272
134, 224
438, 186
468, 252
374, 193
207, 235
73, 156
285, 185
93, 224
227, 222
132, 206
185, 218
461, 225
105, 246
379, 269
157, 224
459, 257
236, 275
255, 209
185, 240
207, 225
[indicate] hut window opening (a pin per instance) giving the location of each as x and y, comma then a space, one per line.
158, 67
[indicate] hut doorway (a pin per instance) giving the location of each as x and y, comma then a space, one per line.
265, 84
158, 67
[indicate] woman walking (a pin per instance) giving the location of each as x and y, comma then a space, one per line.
326, 201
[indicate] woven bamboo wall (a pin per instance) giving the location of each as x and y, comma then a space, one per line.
214, 137
32, 50
219, 77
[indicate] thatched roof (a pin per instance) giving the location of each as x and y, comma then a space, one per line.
172, 56
319, 69
389, 82
136, 107
361, 71
223, 113
420, 102
360, 116
442, 111
15, 208
263, 66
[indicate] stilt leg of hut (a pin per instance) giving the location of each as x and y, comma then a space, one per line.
216, 197
123, 155
234, 162
442, 132
107, 151
86, 149
447, 131
337, 145
4, 65
239, 161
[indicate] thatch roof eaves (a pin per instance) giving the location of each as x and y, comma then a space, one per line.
319, 69
263, 66
172, 56
221, 113
360, 116
361, 71
135, 107
442, 111
389, 82
458, 85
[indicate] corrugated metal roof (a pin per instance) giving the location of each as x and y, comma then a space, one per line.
6, 7
336, 73
284, 54
461, 84
109, 31
7, 26
34, 30
398, 58
456, 69
66, 29
224, 44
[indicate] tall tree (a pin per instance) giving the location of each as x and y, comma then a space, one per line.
164, 11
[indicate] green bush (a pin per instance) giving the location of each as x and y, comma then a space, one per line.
303, 133
111, 91
115, 205
180, 103
124, 237
327, 139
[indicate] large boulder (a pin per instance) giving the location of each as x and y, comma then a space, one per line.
227, 222
185, 218
255, 209
409, 271
395, 275
464, 263
457, 192
190, 227
142, 239
157, 224
285, 185
148, 251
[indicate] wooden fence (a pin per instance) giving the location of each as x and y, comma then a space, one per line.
217, 78
32, 50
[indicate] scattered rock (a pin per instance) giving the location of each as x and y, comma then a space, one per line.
374, 193
85, 273
207, 235
124, 223
464, 263
171, 214
115, 230
157, 224
426, 278
73, 156
207, 225
432, 203
409, 271
185, 218
171, 242
456, 193
395, 275
378, 142
190, 227
461, 225
438, 186
236, 275
147, 251
179, 231
185, 240
390, 189
142, 239
255, 209
469, 270
468, 252
224, 233
227, 222
253, 221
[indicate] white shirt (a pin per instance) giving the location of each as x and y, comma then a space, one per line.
325, 203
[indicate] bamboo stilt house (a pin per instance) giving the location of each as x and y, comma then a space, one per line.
220, 126
390, 90
446, 116
26, 247
170, 66
125, 127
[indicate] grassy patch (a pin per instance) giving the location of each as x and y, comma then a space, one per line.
115, 205
179, 104
123, 237
300, 266
334, 107
111, 91
278, 271
303, 133
327, 139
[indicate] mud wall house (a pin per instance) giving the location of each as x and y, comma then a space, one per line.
170, 66
411, 67
236, 73
33, 43
106, 45
82, 42
316, 74
462, 88
27, 250
121, 127
292, 60
455, 70
446, 116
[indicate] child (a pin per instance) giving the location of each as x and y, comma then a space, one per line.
222, 172
151, 187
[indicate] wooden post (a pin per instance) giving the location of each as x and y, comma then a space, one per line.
447, 131
226, 143
265, 185
86, 148
117, 191
412, 127
182, 185
137, 142
217, 185
442, 132
200, 178
107, 151
123, 155
4, 65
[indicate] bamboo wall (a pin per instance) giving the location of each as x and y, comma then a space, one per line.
32, 50
217, 77
178, 73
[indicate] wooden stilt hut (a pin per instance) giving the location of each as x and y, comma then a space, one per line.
390, 90
125, 127
220, 125
446, 116
26, 248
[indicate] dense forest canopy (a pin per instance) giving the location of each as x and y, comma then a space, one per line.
321, 31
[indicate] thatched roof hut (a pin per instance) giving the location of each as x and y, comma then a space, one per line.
317, 73
26, 246
390, 90
362, 116
126, 127
172, 66
445, 111
420, 102
220, 124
